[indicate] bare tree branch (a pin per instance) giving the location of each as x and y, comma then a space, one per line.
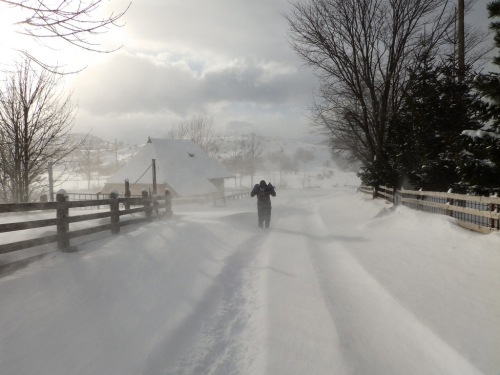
201, 130
74, 21
35, 121
361, 51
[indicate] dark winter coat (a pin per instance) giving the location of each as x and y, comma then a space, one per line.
263, 195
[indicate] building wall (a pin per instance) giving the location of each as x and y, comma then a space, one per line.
219, 184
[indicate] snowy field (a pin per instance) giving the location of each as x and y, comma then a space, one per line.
340, 284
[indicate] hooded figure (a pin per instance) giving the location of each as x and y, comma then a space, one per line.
263, 192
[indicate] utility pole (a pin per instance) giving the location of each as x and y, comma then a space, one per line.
51, 183
116, 154
461, 39
153, 166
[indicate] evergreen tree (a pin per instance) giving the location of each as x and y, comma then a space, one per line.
481, 165
424, 142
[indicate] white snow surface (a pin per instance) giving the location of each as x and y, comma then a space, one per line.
340, 284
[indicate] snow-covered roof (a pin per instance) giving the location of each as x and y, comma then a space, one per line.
180, 163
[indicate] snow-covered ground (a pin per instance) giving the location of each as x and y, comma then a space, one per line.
340, 284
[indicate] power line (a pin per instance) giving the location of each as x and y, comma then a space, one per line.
141, 175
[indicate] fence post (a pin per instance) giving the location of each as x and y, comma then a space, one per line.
114, 207
493, 208
449, 202
127, 194
168, 203
497, 209
147, 203
62, 224
375, 192
154, 199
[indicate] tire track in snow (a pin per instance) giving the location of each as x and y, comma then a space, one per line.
222, 345
299, 336
377, 334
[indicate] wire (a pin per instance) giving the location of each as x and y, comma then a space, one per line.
142, 175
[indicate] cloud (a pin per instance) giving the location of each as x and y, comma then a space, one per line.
143, 84
226, 58
225, 28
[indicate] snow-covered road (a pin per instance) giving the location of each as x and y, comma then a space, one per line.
339, 284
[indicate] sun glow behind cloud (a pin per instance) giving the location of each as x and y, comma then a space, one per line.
9, 39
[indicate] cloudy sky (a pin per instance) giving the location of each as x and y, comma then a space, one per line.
226, 58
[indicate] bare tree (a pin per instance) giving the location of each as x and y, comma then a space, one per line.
88, 159
253, 155
284, 163
202, 131
35, 121
74, 21
234, 161
4, 180
360, 50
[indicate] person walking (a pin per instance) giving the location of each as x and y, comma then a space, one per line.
263, 192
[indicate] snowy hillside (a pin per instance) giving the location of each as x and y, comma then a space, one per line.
96, 142
312, 164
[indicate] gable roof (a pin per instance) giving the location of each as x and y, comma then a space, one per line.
180, 163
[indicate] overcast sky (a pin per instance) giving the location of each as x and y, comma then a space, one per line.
226, 58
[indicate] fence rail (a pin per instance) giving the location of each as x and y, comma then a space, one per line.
478, 213
100, 200
151, 207
365, 189
233, 196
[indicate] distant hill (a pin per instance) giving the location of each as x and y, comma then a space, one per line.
309, 152
97, 143
305, 160
316, 155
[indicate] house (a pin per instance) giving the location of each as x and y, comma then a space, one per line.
181, 166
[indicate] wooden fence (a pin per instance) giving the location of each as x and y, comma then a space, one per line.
175, 201
481, 214
151, 207
365, 189
233, 196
